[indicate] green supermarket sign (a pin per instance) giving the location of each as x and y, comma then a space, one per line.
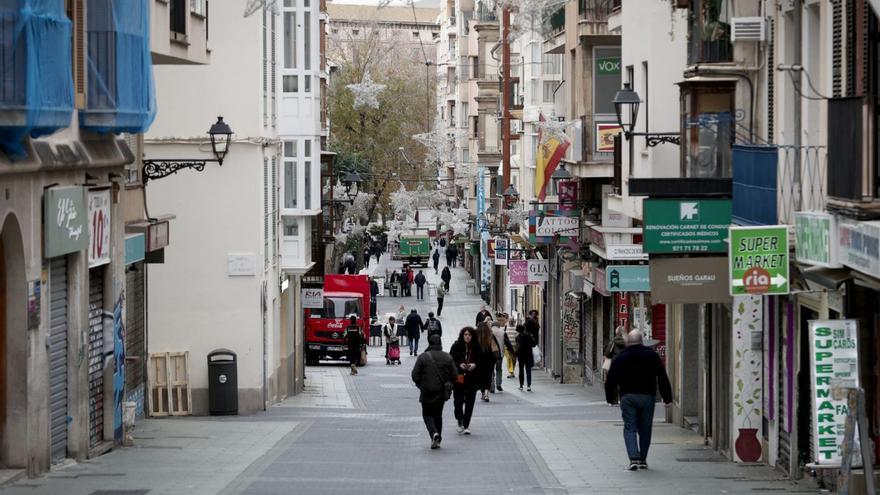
759, 260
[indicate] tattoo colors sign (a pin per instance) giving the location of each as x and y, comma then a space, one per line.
545, 225
759, 260
834, 359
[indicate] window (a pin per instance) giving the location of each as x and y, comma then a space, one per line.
308, 84
552, 63
290, 84
337, 307
197, 6
334, 31
549, 89
290, 227
307, 40
290, 155
290, 40
415, 35
355, 32
307, 175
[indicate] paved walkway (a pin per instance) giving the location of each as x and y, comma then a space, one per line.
364, 434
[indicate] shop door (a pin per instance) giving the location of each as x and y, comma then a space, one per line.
135, 337
96, 356
58, 358
804, 388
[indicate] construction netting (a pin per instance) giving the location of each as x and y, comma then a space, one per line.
36, 83
121, 94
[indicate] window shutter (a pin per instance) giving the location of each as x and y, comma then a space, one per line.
849, 51
265, 212
272, 72
79, 52
771, 81
274, 208
837, 48
265, 73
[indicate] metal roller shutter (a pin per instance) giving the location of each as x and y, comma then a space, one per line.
135, 345
96, 356
58, 358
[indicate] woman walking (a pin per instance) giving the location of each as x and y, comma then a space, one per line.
524, 356
355, 342
401, 329
467, 357
490, 353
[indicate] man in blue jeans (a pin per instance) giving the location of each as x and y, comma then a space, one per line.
634, 376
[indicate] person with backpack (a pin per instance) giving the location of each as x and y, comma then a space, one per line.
441, 295
420, 281
435, 375
433, 326
355, 342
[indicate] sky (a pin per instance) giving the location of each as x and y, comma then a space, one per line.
419, 3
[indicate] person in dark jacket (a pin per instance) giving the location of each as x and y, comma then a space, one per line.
452, 254
420, 281
433, 326
634, 376
532, 325
482, 315
404, 282
446, 276
434, 373
374, 295
436, 258
354, 341
395, 283
524, 356
467, 357
410, 278
413, 326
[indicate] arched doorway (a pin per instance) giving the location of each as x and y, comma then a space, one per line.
13, 347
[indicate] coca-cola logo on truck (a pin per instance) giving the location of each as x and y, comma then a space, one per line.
335, 324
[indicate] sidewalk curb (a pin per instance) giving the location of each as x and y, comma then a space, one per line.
251, 473
539, 468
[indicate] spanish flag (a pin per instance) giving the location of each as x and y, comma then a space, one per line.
547, 158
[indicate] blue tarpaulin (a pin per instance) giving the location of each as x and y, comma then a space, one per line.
36, 83
754, 184
121, 95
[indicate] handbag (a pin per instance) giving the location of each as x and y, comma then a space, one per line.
459, 379
447, 387
536, 355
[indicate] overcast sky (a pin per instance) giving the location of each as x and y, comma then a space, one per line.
419, 3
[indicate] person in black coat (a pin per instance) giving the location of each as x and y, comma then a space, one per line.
436, 258
446, 276
413, 326
434, 373
636, 375
420, 281
395, 283
524, 356
467, 357
374, 294
354, 341
532, 325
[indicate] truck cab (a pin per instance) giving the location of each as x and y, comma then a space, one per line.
344, 295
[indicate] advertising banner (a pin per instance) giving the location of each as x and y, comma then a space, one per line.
502, 250
539, 271
99, 227
860, 246
816, 239
518, 272
834, 359
689, 280
628, 278
314, 298
759, 260
686, 226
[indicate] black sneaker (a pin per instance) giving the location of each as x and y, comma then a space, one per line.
500, 389
633, 466
643, 465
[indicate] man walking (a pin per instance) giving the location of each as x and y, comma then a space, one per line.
433, 326
635, 375
420, 285
532, 325
413, 327
434, 373
436, 259
441, 294
374, 295
499, 331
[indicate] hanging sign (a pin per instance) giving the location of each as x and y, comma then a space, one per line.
518, 272
628, 278
64, 220
625, 252
314, 298
689, 280
502, 250
99, 227
834, 359
816, 235
686, 226
860, 246
759, 260
547, 224
539, 271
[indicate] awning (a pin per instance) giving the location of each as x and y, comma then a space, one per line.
828, 278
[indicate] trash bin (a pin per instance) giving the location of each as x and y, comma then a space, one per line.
222, 383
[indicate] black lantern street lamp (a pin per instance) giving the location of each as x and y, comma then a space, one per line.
352, 182
626, 106
221, 139
491, 213
511, 195
559, 175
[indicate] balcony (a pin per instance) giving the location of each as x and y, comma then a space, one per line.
708, 35
120, 94
36, 83
593, 17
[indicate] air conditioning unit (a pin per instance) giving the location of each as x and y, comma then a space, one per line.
747, 29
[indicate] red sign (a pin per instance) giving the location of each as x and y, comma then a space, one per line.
621, 304
756, 280
567, 190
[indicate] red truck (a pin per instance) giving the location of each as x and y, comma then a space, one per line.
344, 295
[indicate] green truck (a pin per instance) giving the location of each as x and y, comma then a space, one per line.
414, 249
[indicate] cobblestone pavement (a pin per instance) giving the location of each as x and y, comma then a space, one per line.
364, 434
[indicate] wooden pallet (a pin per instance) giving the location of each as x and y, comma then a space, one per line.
170, 391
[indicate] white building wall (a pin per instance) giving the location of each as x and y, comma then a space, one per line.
663, 45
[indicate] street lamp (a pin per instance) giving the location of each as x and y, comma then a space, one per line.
221, 139
559, 175
511, 195
626, 106
352, 182
491, 213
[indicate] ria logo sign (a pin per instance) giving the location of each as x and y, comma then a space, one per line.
690, 211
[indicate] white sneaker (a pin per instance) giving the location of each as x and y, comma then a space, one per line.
460, 429
467, 431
